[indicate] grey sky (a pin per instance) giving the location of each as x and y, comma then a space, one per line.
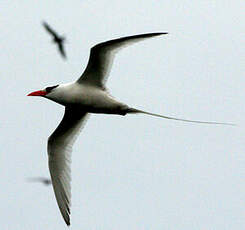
133, 172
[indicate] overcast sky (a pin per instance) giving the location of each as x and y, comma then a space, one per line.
134, 172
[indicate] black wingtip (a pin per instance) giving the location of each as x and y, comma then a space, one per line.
161, 33
68, 223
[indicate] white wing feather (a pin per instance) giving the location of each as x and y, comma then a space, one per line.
59, 152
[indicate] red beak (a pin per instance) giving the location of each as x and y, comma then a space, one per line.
38, 93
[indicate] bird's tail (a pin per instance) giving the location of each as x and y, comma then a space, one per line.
132, 110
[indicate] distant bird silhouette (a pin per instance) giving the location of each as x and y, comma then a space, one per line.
59, 40
43, 180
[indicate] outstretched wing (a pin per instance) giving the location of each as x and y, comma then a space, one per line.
50, 30
102, 55
59, 152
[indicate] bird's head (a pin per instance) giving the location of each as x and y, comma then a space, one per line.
61, 94
47, 92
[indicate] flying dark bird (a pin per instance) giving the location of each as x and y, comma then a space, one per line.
59, 40
86, 95
43, 180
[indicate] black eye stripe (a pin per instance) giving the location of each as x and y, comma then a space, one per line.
49, 89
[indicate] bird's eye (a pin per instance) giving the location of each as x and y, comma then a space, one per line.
49, 89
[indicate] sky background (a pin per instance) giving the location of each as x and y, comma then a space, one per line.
134, 172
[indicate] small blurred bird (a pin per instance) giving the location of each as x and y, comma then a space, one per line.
59, 40
43, 180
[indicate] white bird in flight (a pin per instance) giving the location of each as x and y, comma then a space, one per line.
86, 95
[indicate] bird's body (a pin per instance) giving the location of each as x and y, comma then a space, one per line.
58, 40
88, 98
86, 95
